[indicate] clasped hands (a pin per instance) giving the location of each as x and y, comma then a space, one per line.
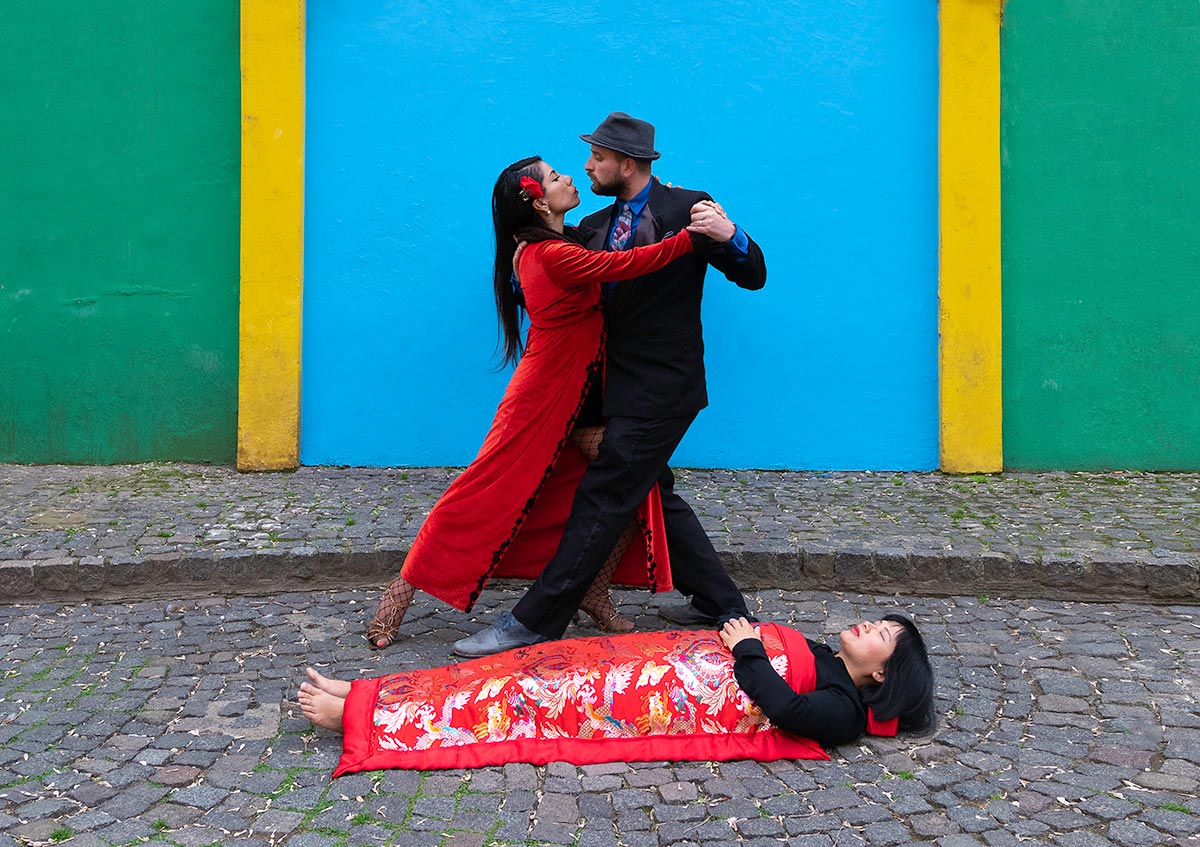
709, 219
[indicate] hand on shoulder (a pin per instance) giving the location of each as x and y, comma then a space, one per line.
521, 245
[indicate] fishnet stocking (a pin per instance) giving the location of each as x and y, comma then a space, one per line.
598, 602
587, 439
393, 606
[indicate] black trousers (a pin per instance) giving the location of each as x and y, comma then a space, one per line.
632, 457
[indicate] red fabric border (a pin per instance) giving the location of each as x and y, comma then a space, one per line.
760, 746
358, 721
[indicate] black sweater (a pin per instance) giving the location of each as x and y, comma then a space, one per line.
832, 714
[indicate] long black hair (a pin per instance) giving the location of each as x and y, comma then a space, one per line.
907, 688
511, 213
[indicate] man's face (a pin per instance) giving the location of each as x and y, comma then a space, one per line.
604, 168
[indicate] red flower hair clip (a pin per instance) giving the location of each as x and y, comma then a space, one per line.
531, 188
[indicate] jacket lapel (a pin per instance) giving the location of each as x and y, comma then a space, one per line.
647, 229
596, 241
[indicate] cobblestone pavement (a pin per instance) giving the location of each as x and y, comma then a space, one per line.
87, 532
173, 722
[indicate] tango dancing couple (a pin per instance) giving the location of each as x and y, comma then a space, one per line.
571, 488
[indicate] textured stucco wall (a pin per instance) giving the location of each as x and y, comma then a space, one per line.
1101, 216
813, 122
119, 247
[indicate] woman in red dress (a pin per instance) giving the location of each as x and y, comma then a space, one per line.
504, 515
748, 692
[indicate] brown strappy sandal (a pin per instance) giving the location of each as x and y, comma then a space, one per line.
393, 606
613, 622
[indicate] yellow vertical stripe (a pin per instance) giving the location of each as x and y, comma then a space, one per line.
969, 375
272, 233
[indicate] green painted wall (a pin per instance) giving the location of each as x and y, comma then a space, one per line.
120, 144
1101, 234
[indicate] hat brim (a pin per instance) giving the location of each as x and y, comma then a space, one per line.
610, 145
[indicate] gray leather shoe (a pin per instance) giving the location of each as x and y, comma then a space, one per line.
685, 614
505, 634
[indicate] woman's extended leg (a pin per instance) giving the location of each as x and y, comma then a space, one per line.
393, 606
321, 707
598, 603
330, 686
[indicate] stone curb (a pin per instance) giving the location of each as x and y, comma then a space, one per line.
1141, 578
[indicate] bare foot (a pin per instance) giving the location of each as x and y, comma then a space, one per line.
330, 686
320, 707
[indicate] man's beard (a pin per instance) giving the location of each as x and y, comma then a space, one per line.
612, 189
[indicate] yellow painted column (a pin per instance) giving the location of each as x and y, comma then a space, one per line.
969, 375
272, 234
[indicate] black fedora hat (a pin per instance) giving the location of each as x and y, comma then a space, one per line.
626, 135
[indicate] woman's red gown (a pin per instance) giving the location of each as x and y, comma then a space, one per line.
504, 515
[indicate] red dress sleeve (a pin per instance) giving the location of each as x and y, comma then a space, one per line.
571, 264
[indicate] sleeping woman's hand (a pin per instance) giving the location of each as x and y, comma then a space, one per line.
736, 630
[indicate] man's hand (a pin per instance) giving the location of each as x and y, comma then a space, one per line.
521, 245
709, 219
737, 630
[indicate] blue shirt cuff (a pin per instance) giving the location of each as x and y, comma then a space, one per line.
739, 245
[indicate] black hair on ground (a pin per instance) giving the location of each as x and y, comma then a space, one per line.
907, 690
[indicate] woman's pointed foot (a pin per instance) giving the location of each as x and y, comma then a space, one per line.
608, 619
321, 707
381, 637
330, 686
393, 606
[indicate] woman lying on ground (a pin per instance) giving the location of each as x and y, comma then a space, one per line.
504, 515
749, 692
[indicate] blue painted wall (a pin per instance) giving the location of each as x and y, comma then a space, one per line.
814, 123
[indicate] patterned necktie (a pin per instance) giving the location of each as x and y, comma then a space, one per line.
622, 229
617, 241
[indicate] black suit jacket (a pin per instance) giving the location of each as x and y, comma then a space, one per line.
655, 363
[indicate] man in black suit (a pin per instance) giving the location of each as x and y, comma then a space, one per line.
654, 387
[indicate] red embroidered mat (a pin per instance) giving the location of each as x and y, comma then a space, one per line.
663, 696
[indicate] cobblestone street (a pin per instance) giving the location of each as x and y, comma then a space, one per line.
174, 722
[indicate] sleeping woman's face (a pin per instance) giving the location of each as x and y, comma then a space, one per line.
871, 643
